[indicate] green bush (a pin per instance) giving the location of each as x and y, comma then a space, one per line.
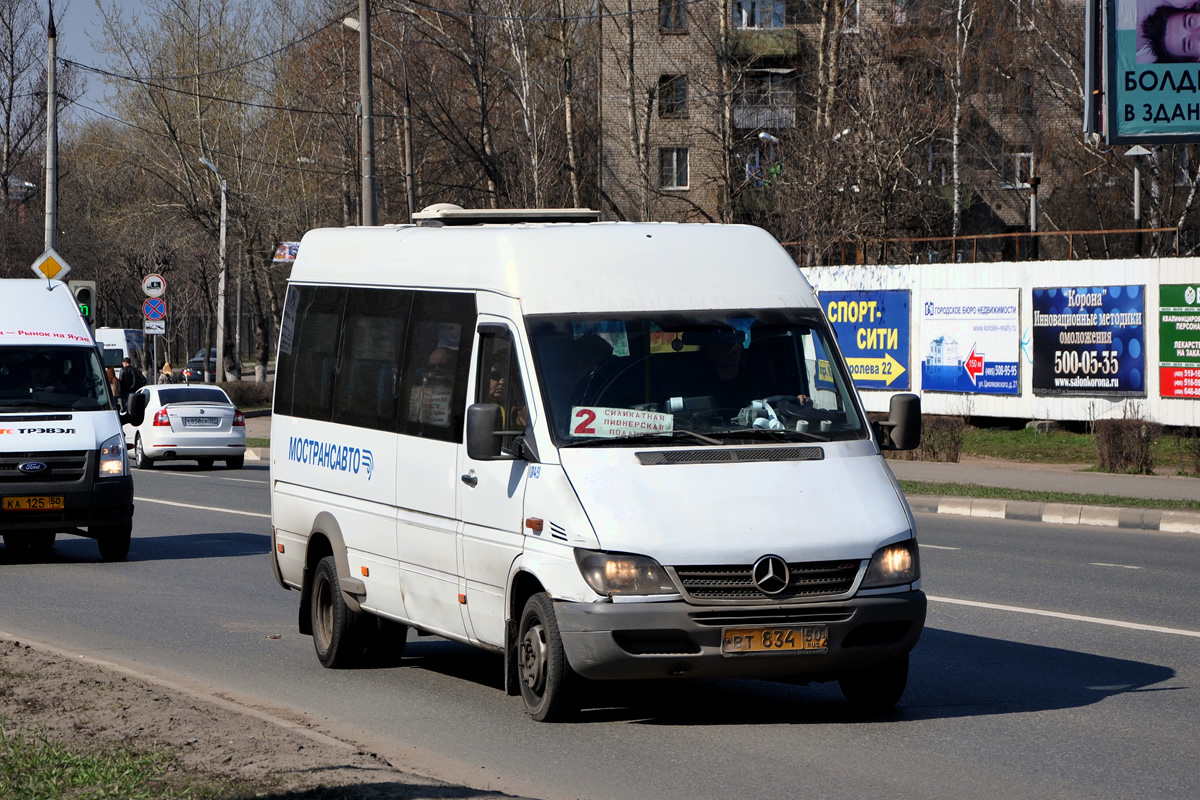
1126, 445
249, 394
1187, 445
941, 438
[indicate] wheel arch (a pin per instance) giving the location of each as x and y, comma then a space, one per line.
521, 586
324, 539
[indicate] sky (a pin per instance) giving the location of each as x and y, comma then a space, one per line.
77, 24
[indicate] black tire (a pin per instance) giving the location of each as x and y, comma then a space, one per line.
877, 689
235, 463
16, 545
545, 677
206, 463
140, 459
113, 542
338, 633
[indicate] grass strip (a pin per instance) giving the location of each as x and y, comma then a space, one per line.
1034, 496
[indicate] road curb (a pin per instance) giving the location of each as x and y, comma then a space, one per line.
1147, 519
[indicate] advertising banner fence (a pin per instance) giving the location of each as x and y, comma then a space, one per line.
970, 341
873, 331
1089, 340
1179, 340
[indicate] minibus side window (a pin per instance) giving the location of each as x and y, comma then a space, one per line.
499, 378
367, 386
306, 374
433, 389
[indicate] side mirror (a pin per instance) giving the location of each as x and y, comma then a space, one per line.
903, 423
483, 420
136, 413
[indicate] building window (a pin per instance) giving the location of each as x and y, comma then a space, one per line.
850, 16
759, 13
672, 16
765, 98
672, 95
1022, 166
673, 167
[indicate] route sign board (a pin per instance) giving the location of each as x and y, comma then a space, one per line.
154, 309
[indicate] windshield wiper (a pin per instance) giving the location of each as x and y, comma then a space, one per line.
662, 437
777, 434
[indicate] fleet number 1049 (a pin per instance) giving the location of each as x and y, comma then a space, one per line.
1087, 362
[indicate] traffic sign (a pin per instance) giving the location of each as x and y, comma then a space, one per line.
154, 309
51, 265
154, 327
154, 285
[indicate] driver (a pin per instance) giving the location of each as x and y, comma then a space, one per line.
41, 377
730, 383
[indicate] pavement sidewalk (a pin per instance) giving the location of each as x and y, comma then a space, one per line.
1006, 474
1068, 478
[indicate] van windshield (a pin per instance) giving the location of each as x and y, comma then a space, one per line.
65, 378
716, 377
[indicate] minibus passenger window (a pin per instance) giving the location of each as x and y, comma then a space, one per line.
434, 387
305, 376
372, 346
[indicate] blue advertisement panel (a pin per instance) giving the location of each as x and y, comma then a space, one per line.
970, 341
1153, 92
873, 331
1089, 340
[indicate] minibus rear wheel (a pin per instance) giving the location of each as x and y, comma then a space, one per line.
876, 689
542, 670
336, 629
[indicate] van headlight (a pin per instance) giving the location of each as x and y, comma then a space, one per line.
113, 461
621, 573
893, 565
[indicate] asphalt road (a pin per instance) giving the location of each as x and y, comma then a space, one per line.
1057, 662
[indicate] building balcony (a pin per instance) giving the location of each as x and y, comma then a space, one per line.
771, 117
762, 42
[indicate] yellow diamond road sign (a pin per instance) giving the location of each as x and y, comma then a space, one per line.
51, 265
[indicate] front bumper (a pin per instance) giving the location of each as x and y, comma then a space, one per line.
105, 503
659, 640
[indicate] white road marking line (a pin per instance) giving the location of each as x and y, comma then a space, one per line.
1116, 623
1121, 566
924, 546
202, 508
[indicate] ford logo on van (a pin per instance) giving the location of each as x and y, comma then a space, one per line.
771, 574
32, 467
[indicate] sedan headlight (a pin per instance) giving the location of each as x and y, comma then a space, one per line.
113, 462
893, 565
621, 573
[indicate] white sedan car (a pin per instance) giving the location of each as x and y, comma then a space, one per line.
185, 422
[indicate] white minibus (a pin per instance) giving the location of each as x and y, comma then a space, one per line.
603, 450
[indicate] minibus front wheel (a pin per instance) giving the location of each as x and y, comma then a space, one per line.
876, 689
544, 675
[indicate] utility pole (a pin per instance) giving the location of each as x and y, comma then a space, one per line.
51, 138
369, 214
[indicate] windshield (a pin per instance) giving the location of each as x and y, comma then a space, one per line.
66, 378
728, 376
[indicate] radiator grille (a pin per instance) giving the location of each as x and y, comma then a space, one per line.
63, 466
808, 580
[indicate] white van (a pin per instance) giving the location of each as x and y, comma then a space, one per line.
63, 467
120, 343
605, 450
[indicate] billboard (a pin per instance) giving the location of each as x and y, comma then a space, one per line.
1089, 340
970, 341
873, 331
1179, 340
1151, 55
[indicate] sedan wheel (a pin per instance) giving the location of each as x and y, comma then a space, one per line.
140, 459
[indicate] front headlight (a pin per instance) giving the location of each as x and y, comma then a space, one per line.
113, 462
621, 573
893, 565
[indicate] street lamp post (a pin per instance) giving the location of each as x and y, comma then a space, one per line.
409, 182
220, 366
1136, 152
369, 214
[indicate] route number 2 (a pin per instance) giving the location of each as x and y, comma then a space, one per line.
586, 417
